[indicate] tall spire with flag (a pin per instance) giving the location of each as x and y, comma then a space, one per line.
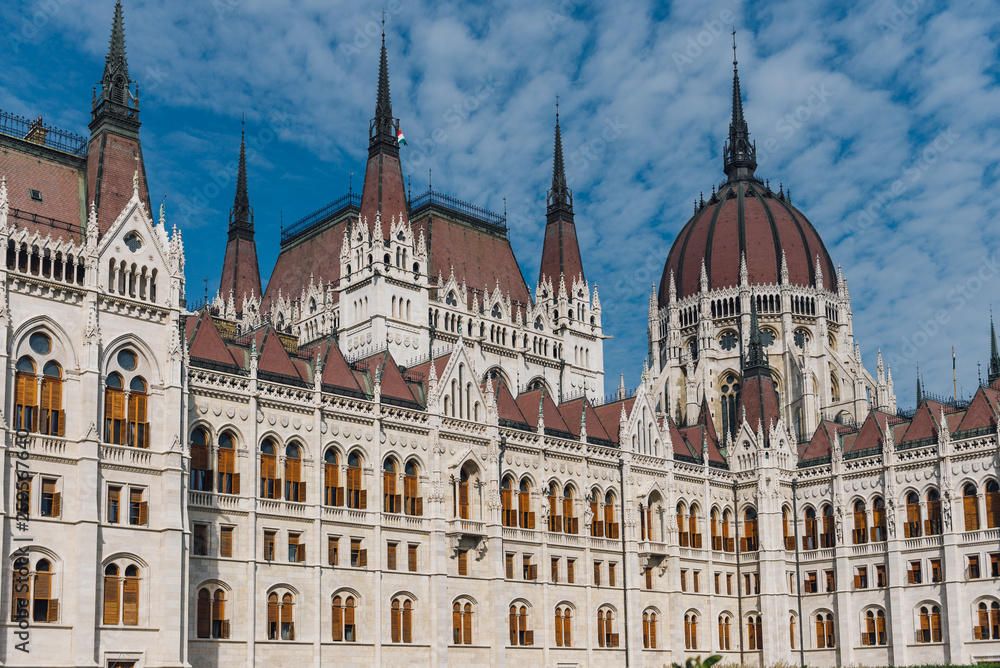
560, 249
384, 191
739, 155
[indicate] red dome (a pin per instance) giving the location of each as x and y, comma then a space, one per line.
745, 217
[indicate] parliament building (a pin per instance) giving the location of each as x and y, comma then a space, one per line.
400, 454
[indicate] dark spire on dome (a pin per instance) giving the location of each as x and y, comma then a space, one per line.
560, 198
241, 215
739, 153
756, 360
994, 372
383, 126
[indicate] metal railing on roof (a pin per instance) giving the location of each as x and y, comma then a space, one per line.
345, 203
475, 214
37, 132
612, 397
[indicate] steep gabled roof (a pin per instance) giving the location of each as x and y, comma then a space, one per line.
922, 425
871, 434
528, 403
394, 388
507, 408
982, 411
273, 358
610, 416
823, 440
206, 343
571, 411
337, 373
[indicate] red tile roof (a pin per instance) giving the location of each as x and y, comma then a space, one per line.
560, 253
383, 181
205, 341
507, 408
60, 181
571, 411
315, 257
759, 400
528, 403
610, 416
240, 273
111, 164
982, 411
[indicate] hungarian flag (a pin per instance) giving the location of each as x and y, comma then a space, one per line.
400, 139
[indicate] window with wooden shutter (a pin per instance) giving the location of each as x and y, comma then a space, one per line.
390, 501
287, 617
199, 540
596, 524
111, 592
407, 622
25, 396
51, 505
970, 499
463, 562
463, 500
467, 624
570, 563
924, 632
269, 539
338, 619
981, 630
935, 624
21, 590
456, 624
135, 503
201, 476
555, 569
600, 628
52, 419
412, 503
269, 486
204, 615
611, 575
861, 577
567, 506
932, 525
527, 518
331, 484
649, 578
273, 617
508, 563
559, 628
992, 504
390, 554
973, 561
220, 625
524, 636
394, 621
610, 526
130, 600
356, 497
597, 574
512, 624
114, 415
912, 528
411, 557
355, 552
332, 550
362, 558
138, 418
935, 570
229, 479
507, 514
294, 487
226, 542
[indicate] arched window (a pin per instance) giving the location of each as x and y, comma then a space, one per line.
824, 631
518, 624
25, 396
988, 623
203, 626
992, 504
649, 630
570, 523
52, 417
860, 523
333, 493
725, 625
463, 494
401, 620
791, 631
112, 595
597, 520
932, 524
270, 485
138, 413
356, 497
755, 633
526, 517
130, 597
693, 526
970, 499
930, 624
715, 530
555, 522
809, 541
829, 537
728, 543
201, 474
749, 542
610, 525
507, 515
391, 502
878, 531
461, 623
691, 631
606, 637
787, 530
912, 529
295, 489
32, 593
564, 632
413, 504
730, 392
114, 410
874, 628
344, 622
229, 477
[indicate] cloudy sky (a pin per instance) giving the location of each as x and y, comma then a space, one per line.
879, 116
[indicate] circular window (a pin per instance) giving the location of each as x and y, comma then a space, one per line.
40, 343
127, 360
133, 242
767, 337
801, 338
728, 341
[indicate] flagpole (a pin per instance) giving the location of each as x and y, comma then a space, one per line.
954, 379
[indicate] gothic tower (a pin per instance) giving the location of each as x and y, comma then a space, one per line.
240, 273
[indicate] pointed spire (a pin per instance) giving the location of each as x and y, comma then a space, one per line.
703, 279
920, 389
241, 215
116, 63
744, 274
994, 370
560, 197
116, 100
383, 127
819, 273
784, 268
739, 155
673, 288
756, 360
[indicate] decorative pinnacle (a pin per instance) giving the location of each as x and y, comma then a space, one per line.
560, 197
383, 126
756, 360
994, 370
116, 62
241, 215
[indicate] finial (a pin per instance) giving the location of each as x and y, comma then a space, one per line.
430, 185
734, 48
350, 183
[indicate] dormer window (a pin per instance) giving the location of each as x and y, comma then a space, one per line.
36, 195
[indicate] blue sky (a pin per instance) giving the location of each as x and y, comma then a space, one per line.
880, 117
